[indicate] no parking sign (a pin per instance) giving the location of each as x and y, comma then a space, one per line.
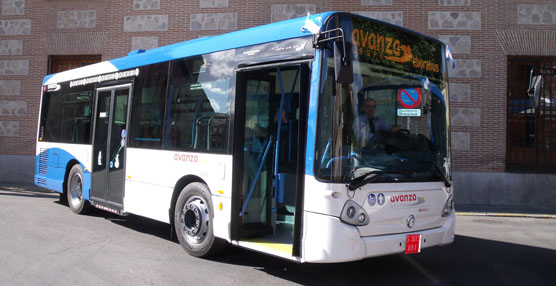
409, 97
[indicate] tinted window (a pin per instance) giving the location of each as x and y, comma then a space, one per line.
52, 112
148, 106
77, 118
199, 104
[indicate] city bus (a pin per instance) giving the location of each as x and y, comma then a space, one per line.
319, 139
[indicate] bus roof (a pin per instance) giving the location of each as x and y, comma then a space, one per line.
283, 30
257, 35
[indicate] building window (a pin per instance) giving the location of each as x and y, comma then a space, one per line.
58, 64
531, 132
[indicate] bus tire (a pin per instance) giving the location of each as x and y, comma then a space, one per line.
74, 188
193, 216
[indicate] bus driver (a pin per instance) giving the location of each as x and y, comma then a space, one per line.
367, 124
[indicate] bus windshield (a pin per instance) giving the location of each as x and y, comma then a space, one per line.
392, 122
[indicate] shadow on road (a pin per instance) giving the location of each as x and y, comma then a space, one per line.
142, 224
468, 261
18, 192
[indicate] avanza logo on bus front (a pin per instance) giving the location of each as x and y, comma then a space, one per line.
406, 201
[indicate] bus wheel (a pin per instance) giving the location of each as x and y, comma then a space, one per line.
75, 191
193, 221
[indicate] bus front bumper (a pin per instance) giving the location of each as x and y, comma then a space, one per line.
328, 240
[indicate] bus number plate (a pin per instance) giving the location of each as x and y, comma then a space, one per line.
413, 244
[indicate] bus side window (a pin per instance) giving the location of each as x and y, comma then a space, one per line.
77, 117
198, 104
148, 107
52, 111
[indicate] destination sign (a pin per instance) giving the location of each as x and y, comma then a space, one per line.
395, 48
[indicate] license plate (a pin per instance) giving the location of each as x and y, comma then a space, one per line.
413, 244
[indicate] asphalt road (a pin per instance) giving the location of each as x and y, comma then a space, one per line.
43, 243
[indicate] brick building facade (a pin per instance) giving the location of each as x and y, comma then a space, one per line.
485, 37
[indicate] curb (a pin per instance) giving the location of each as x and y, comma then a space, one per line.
488, 214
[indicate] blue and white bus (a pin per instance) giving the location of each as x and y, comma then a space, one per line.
318, 139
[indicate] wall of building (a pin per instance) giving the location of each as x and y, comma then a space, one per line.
480, 34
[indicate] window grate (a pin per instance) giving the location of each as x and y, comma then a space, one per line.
531, 132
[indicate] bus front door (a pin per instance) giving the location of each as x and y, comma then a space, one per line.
109, 143
269, 145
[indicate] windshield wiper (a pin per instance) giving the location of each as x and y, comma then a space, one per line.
442, 175
365, 179
371, 177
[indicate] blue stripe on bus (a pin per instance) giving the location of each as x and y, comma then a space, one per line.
58, 160
268, 33
46, 78
288, 29
312, 115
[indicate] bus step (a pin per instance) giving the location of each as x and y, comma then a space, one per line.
255, 229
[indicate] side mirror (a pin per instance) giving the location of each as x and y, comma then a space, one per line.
534, 90
343, 66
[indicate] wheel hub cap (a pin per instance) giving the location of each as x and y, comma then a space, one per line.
194, 219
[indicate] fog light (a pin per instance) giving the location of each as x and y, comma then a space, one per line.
362, 218
354, 214
350, 212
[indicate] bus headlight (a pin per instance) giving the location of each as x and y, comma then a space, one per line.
448, 207
354, 214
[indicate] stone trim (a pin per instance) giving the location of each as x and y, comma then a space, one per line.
441, 20
146, 4
146, 23
376, 2
213, 21
9, 128
392, 17
459, 44
536, 14
15, 27
13, 108
460, 92
454, 2
78, 19
14, 67
465, 117
13, 7
527, 43
281, 12
466, 68
145, 43
213, 3
461, 141
75, 43
11, 47
10, 87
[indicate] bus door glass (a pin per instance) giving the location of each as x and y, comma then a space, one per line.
273, 145
110, 139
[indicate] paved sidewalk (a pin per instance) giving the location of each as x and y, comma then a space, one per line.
505, 211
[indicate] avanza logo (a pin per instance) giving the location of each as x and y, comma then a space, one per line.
403, 198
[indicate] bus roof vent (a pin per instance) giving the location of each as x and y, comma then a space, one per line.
136, 52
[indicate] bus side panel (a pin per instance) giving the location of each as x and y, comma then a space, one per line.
151, 176
52, 160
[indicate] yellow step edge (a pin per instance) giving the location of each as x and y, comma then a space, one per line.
282, 247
